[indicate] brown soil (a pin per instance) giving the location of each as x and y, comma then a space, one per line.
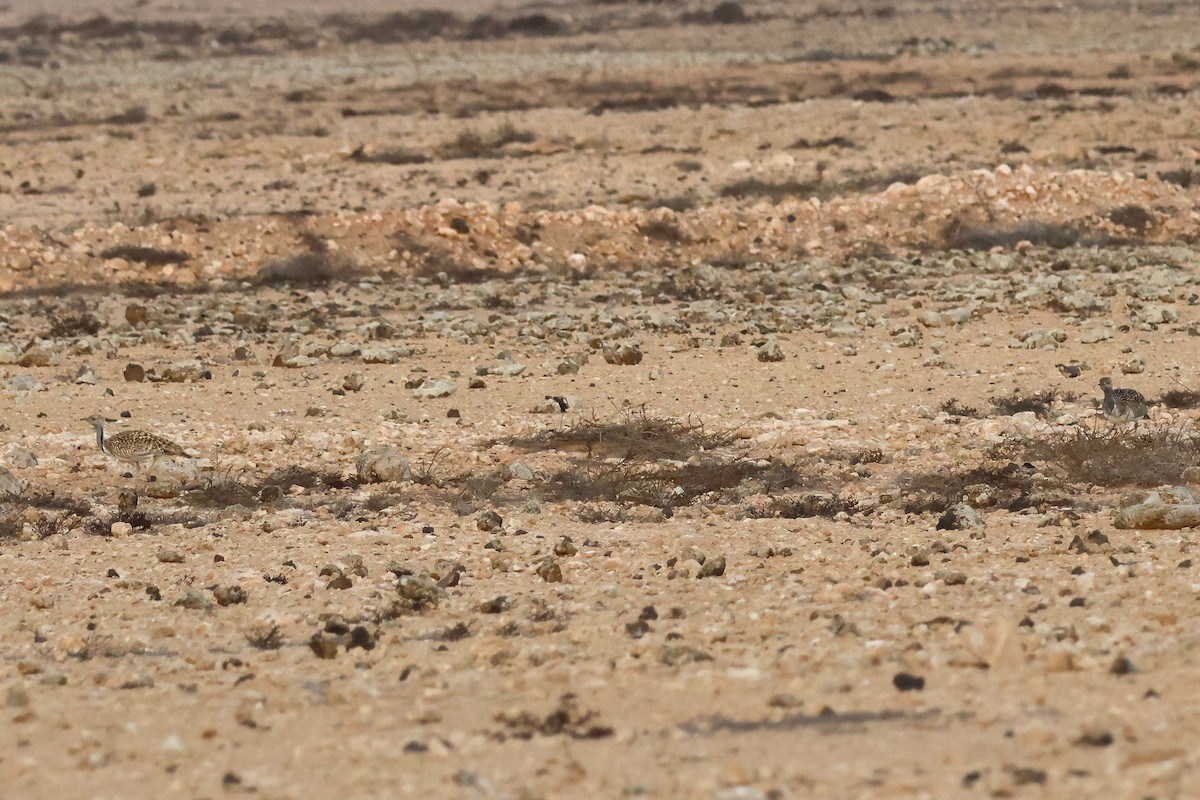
800, 274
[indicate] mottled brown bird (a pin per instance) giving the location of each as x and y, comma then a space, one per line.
1123, 405
133, 447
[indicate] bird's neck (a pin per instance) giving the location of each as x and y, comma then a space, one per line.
100, 436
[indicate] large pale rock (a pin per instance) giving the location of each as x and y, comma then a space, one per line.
10, 485
1168, 509
383, 464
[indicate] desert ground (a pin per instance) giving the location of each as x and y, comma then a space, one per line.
599, 399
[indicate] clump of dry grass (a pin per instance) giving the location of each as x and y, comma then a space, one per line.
398, 156
1113, 456
447, 273
957, 409
635, 435
317, 266
81, 322
1009, 486
227, 489
471, 144
643, 459
959, 235
1038, 402
810, 504
306, 270
1180, 398
150, 256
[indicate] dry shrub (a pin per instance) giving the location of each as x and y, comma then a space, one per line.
222, 491
150, 256
395, 156
537, 25
775, 192
957, 409
227, 489
820, 144
1184, 178
1114, 456
1180, 398
63, 513
635, 435
678, 204
307, 478
811, 504
396, 27
1010, 486
1135, 218
959, 235
311, 269
1039, 402
470, 144
133, 115
75, 324
663, 231
481, 485
454, 273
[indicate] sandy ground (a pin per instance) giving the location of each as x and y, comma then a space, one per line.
801, 280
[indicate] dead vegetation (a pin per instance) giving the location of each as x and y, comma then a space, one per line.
73, 324
635, 435
639, 459
956, 409
1038, 402
150, 256
226, 489
1009, 486
472, 144
1113, 456
1180, 398
809, 504
398, 156
317, 267
960, 235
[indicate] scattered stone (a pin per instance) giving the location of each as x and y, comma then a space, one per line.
1166, 509
22, 383
194, 600
439, 388
38, 355
636, 630
417, 593
383, 464
960, 517
186, 371
1094, 737
623, 354
383, 355
324, 645
10, 485
169, 556
22, 458
565, 547
712, 568
229, 595
906, 682
1121, 665
769, 352
497, 605
488, 521
549, 571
